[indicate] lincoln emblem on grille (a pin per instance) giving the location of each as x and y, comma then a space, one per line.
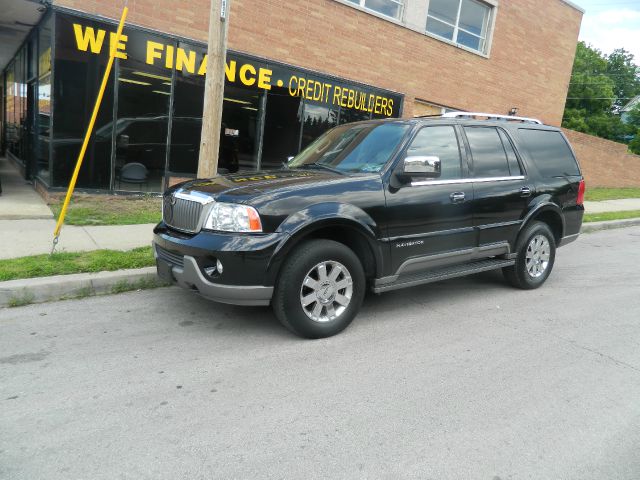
169, 202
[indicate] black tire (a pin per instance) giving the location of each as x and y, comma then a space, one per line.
289, 291
519, 274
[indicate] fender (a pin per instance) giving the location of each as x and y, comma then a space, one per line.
315, 217
539, 205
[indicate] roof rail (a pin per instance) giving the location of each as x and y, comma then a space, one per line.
490, 116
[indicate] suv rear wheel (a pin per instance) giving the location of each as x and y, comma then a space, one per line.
536, 250
320, 289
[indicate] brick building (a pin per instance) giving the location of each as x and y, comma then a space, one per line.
294, 69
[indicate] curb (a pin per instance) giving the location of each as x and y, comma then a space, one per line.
609, 224
16, 293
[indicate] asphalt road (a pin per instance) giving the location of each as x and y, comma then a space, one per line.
465, 379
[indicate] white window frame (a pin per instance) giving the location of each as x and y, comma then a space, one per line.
401, 3
488, 28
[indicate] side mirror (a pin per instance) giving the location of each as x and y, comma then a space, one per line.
421, 166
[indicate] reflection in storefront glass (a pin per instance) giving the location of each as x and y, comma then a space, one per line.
281, 128
239, 133
317, 120
42, 128
141, 128
187, 118
76, 82
43, 111
348, 116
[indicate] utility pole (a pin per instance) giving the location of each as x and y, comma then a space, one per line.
214, 89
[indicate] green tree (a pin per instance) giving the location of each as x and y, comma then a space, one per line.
625, 75
600, 84
633, 116
633, 119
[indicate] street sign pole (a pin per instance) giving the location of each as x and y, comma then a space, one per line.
214, 89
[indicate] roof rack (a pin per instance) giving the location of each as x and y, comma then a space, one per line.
491, 116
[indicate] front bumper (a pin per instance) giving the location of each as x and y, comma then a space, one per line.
190, 277
247, 277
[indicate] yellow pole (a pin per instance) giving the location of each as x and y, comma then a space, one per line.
92, 122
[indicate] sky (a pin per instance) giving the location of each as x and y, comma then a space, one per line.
611, 24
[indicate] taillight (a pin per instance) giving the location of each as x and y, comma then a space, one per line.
580, 199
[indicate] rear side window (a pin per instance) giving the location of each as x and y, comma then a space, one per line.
550, 152
487, 151
514, 166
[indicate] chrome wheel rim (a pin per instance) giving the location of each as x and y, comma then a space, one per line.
326, 291
537, 257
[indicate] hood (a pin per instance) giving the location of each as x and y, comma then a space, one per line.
237, 187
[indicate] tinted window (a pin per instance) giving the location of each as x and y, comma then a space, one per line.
187, 120
489, 158
75, 87
439, 142
549, 152
514, 166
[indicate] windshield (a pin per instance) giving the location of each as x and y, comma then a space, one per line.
361, 148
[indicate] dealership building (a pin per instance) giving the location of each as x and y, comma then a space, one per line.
294, 69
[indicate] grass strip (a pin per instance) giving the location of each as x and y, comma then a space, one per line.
74, 262
601, 217
111, 210
600, 193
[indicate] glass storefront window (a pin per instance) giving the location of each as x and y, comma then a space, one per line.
43, 113
42, 129
147, 133
141, 128
10, 114
348, 115
77, 77
317, 120
282, 123
188, 95
239, 135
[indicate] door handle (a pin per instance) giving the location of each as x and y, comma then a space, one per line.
525, 192
457, 197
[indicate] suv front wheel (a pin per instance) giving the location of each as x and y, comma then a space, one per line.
536, 251
320, 289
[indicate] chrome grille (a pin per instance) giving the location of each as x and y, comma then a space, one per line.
182, 214
170, 257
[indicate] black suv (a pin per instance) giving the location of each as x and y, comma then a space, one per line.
382, 204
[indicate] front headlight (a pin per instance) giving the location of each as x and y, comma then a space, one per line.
230, 217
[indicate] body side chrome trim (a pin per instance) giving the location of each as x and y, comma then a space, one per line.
499, 225
466, 180
429, 234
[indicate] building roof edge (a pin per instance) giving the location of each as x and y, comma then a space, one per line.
571, 4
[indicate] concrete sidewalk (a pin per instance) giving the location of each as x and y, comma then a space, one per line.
624, 204
19, 200
20, 238
27, 224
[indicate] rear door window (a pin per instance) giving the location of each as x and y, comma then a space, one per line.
487, 151
549, 152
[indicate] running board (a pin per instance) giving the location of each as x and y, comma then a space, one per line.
441, 274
